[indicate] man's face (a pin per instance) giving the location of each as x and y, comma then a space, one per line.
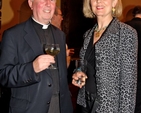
43, 10
60, 16
57, 19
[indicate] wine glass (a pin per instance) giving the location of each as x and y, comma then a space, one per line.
81, 65
53, 50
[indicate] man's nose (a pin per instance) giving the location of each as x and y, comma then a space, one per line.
48, 2
99, 1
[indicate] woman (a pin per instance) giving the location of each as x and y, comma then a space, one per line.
110, 48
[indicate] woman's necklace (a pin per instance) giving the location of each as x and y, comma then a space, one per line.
98, 31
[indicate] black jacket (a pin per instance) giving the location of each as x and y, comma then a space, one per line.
31, 92
136, 24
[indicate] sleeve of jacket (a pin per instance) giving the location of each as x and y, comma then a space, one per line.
128, 74
13, 73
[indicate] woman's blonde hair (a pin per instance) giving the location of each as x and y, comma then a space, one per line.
87, 10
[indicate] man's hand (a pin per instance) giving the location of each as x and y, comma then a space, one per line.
42, 62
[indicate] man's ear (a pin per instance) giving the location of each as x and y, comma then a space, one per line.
30, 2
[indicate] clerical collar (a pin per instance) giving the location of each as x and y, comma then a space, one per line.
44, 26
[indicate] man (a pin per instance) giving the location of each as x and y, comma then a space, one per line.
24, 66
57, 18
136, 23
56, 21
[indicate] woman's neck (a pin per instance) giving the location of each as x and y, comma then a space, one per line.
103, 22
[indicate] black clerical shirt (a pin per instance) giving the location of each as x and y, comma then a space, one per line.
46, 37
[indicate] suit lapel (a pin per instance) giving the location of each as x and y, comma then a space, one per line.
32, 38
112, 29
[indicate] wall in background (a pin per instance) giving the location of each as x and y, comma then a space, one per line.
75, 24
127, 5
10, 14
11, 11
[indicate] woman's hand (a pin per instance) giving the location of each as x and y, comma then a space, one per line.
79, 79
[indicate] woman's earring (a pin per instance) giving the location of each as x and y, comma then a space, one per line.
113, 11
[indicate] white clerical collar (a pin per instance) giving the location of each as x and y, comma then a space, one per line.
45, 26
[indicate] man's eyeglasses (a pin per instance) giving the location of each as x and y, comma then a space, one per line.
60, 15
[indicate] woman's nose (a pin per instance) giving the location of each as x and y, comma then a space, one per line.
99, 1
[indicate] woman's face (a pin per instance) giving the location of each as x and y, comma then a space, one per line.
43, 10
103, 8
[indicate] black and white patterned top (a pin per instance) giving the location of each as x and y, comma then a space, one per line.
116, 68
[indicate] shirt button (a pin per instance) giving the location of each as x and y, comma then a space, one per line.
49, 85
48, 102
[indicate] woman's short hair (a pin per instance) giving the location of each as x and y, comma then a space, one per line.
136, 10
87, 10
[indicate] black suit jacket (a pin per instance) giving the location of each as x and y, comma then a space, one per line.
31, 92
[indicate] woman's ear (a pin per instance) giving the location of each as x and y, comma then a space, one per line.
114, 3
30, 3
